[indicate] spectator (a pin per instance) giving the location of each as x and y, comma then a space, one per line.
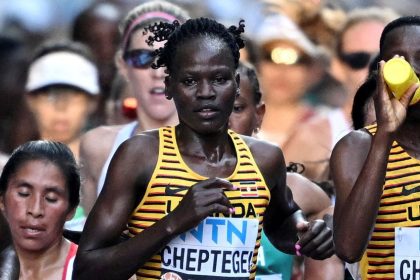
358, 44
97, 28
289, 65
62, 90
15, 117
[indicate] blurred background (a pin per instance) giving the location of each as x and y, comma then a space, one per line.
24, 24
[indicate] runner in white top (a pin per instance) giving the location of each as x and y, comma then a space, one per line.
133, 61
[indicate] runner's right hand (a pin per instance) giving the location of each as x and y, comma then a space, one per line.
202, 200
390, 112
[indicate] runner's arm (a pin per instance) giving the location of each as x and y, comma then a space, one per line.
95, 146
283, 220
358, 165
100, 250
308, 195
328, 269
132, 166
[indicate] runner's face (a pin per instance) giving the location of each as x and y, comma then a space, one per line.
61, 113
284, 83
361, 37
403, 41
147, 84
244, 117
36, 205
204, 84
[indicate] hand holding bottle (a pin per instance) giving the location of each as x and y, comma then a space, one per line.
399, 76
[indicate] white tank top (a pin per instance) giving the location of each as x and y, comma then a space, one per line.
339, 125
125, 132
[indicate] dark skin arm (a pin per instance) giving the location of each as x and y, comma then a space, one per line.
358, 165
283, 220
328, 269
100, 250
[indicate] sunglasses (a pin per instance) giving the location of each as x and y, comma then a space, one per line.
139, 58
356, 60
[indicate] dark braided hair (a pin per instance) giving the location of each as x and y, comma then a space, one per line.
401, 21
364, 95
175, 34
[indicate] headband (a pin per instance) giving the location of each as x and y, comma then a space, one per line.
144, 17
63, 68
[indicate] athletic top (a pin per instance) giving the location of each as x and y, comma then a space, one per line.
220, 246
339, 125
68, 266
125, 132
273, 264
399, 207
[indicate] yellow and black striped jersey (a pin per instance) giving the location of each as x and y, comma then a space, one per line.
399, 207
203, 252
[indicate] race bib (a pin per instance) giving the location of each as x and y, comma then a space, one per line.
269, 277
407, 253
218, 248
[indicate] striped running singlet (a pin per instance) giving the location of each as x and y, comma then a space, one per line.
399, 207
207, 251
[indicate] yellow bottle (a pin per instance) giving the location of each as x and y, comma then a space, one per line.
399, 76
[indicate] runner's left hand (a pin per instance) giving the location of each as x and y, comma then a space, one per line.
315, 240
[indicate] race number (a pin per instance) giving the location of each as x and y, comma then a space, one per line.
407, 253
218, 248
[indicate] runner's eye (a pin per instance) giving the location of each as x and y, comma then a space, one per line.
23, 193
238, 108
189, 82
220, 80
51, 198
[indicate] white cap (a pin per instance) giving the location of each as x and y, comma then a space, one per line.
280, 27
63, 68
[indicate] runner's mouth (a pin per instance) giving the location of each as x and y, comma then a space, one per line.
157, 91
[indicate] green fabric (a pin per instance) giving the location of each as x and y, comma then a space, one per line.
79, 213
273, 262
78, 220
